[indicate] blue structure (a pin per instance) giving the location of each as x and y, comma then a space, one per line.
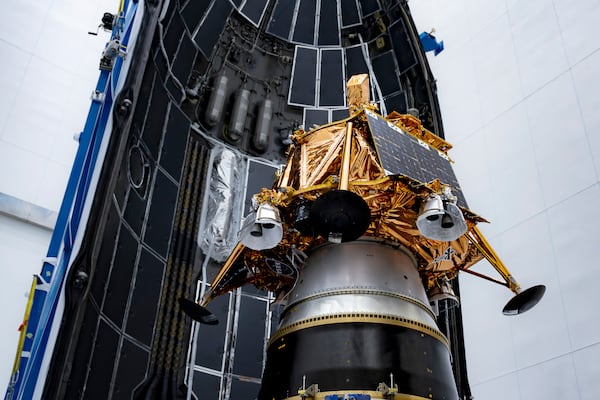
430, 43
48, 285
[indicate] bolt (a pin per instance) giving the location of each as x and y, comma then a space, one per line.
124, 107
81, 278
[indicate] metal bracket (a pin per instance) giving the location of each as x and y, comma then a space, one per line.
98, 97
308, 392
297, 257
386, 391
113, 49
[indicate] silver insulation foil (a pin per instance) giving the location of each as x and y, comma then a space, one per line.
220, 223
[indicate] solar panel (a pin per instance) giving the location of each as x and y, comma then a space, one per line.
192, 13
281, 19
184, 59
254, 10
251, 342
339, 114
304, 30
207, 34
396, 102
142, 316
350, 15
332, 83
172, 35
259, 176
315, 117
402, 45
355, 60
403, 154
244, 389
329, 28
368, 7
385, 69
304, 76
207, 384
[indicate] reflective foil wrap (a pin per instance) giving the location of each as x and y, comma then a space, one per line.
222, 217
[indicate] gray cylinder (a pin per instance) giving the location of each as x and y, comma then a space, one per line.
238, 115
360, 277
216, 103
260, 141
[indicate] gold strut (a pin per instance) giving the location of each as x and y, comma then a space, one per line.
237, 251
484, 247
345, 172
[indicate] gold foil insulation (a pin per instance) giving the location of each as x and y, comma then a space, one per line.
314, 167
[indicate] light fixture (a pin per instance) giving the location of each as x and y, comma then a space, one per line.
441, 219
262, 229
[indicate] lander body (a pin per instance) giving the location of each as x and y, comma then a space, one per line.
359, 239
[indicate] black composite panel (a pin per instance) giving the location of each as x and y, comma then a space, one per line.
304, 75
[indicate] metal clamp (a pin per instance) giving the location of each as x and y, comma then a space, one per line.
308, 392
389, 392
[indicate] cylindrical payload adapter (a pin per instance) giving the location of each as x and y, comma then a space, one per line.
358, 317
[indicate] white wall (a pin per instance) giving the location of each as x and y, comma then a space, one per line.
518, 86
48, 69
23, 246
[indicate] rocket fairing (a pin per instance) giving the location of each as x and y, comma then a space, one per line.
364, 227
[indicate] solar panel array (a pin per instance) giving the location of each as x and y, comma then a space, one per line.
403, 154
314, 117
310, 22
